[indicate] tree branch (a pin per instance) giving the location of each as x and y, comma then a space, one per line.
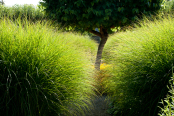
101, 30
95, 33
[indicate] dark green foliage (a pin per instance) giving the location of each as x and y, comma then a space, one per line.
89, 14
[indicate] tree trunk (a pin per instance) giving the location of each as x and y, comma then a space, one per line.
103, 34
104, 37
99, 52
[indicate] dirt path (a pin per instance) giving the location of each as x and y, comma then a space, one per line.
100, 106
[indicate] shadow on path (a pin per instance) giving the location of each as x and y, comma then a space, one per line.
100, 106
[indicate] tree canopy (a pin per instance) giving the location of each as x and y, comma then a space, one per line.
95, 13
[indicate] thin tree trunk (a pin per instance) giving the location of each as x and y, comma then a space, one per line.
103, 34
104, 37
99, 52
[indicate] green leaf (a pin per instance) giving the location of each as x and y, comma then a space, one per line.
124, 20
96, 12
154, 5
65, 18
107, 4
120, 9
66, 11
108, 11
135, 10
92, 3
81, 23
98, 25
106, 18
72, 12
86, 15
89, 10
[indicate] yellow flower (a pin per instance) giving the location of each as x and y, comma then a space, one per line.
104, 66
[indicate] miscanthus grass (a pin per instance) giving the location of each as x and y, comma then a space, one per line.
168, 6
167, 108
141, 60
43, 72
29, 12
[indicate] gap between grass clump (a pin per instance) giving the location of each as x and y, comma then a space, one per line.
167, 103
101, 78
141, 60
42, 72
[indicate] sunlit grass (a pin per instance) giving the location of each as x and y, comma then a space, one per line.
101, 77
43, 72
29, 12
141, 60
169, 6
167, 108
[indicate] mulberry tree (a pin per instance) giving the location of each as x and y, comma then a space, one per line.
103, 14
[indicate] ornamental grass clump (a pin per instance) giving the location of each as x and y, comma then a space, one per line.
168, 103
141, 60
41, 72
168, 6
29, 12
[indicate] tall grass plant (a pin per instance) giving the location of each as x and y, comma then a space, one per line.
167, 108
29, 12
43, 72
168, 6
141, 60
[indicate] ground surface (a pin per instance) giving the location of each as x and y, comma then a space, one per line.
99, 108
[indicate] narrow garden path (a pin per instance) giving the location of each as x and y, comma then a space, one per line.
99, 107
100, 103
